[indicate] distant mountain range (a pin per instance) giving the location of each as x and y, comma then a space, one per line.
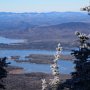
44, 27
23, 21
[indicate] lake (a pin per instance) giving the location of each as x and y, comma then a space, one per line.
24, 53
10, 41
65, 67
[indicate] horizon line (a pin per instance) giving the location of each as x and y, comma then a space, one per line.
42, 12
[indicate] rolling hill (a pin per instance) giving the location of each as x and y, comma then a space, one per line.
44, 29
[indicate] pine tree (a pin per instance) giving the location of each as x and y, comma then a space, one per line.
81, 77
3, 71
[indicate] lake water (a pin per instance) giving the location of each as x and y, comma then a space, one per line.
64, 66
24, 53
10, 41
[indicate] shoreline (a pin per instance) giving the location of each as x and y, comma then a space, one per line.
28, 81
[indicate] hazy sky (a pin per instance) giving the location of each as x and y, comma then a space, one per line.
41, 5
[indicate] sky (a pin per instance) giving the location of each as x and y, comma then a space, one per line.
41, 5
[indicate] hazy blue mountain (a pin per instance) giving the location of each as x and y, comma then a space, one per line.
44, 36
63, 30
22, 21
38, 27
